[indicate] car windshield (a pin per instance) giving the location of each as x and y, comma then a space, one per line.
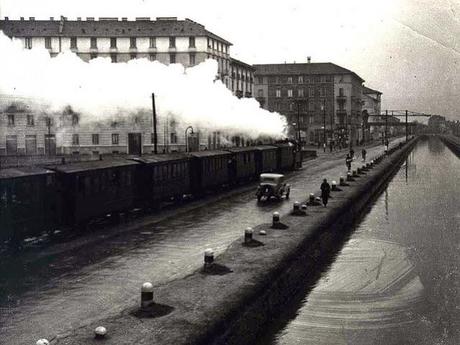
269, 180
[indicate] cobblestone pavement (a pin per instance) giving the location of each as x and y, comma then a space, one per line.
85, 283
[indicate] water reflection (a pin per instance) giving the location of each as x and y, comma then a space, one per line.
396, 280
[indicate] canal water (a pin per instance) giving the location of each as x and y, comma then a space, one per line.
396, 279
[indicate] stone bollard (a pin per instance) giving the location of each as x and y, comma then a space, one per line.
372, 163
100, 332
354, 173
363, 168
42, 342
304, 208
276, 219
311, 197
296, 207
248, 235
342, 181
334, 186
146, 295
208, 257
349, 177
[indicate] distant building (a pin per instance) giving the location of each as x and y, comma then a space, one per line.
371, 105
437, 124
312, 95
166, 39
241, 78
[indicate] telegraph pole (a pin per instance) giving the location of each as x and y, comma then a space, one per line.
154, 114
407, 127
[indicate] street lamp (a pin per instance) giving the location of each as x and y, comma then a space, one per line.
323, 108
298, 102
186, 139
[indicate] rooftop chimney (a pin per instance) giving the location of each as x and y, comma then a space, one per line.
308, 59
6, 18
90, 19
124, 19
51, 18
22, 18
79, 19
31, 18
142, 19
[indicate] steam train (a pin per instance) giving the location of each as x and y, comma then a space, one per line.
38, 199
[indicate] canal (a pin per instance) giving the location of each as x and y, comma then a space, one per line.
396, 278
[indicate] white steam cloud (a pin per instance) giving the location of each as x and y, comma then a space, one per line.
101, 90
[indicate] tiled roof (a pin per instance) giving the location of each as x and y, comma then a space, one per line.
236, 62
105, 28
303, 68
367, 90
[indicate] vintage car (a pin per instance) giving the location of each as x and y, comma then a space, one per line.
272, 185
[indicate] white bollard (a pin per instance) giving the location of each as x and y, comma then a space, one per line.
262, 232
42, 342
208, 257
100, 332
146, 294
276, 218
248, 235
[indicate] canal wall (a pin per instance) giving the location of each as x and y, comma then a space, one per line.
452, 143
248, 285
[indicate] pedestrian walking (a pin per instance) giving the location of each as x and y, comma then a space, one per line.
325, 191
331, 146
348, 162
363, 154
352, 153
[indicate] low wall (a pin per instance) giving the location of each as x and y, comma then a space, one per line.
248, 286
452, 142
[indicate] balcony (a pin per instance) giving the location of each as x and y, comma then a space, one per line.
341, 98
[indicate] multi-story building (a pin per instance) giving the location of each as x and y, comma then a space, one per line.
371, 105
166, 39
241, 78
322, 101
437, 124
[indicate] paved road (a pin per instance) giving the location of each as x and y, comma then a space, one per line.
101, 278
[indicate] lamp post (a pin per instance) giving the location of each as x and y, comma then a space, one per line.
323, 108
298, 102
186, 139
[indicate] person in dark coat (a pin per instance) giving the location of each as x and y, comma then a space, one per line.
325, 191
363, 154
348, 162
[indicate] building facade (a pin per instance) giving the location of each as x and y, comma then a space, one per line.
322, 101
371, 107
166, 39
241, 78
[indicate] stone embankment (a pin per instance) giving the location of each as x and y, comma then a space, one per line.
452, 142
231, 300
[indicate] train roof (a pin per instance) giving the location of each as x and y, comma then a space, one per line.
209, 153
242, 149
265, 147
23, 172
284, 144
164, 157
92, 165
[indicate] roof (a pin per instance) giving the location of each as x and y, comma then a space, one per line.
110, 27
269, 175
161, 158
92, 165
265, 147
23, 172
234, 61
367, 90
241, 149
303, 68
209, 153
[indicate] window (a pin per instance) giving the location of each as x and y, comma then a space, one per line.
172, 42
75, 139
260, 93
10, 120
300, 93
191, 42
73, 42
311, 105
152, 42
133, 56
28, 43
278, 93
113, 57
132, 42
48, 42
300, 79
30, 120
311, 92
192, 59
289, 80
173, 138
290, 93
113, 42
93, 42
172, 58
209, 42
341, 91
152, 57
115, 138
93, 56
95, 139
260, 80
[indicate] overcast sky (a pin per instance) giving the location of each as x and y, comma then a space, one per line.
407, 49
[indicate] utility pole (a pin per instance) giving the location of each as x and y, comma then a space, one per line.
407, 127
386, 126
324, 125
154, 114
298, 123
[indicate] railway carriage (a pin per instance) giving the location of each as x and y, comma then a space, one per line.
286, 156
28, 202
243, 167
164, 177
209, 170
95, 189
266, 159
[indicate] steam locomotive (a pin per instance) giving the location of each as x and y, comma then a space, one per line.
38, 199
